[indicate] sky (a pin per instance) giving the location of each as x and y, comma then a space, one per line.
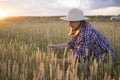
58, 7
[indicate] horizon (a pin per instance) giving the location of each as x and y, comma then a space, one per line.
58, 8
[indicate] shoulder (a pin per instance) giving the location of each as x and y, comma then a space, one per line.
94, 33
92, 30
89, 32
88, 29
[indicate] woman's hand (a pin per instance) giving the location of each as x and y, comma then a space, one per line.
58, 46
52, 46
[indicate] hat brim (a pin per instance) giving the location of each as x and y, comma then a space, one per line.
74, 19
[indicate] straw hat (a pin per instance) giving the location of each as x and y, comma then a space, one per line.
74, 14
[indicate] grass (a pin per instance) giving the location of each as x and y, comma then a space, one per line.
24, 54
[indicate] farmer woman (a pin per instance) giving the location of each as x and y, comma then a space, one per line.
84, 38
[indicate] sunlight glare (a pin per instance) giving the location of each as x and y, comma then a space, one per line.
2, 14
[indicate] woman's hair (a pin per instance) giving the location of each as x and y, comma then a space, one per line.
82, 23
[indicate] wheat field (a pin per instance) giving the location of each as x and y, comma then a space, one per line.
24, 54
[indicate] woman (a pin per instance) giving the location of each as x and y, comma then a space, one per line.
84, 38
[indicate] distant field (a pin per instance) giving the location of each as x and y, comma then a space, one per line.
24, 53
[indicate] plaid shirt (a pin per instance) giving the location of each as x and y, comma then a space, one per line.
92, 40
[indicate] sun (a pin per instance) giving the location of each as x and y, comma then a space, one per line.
2, 14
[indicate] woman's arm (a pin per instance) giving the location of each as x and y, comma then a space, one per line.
58, 46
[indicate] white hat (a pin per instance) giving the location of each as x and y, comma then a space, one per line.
74, 14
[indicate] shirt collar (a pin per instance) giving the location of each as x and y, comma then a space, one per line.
74, 32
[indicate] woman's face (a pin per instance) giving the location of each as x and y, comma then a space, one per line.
74, 24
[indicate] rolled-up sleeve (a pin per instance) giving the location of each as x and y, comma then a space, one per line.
71, 43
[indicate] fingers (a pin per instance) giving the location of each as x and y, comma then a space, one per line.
52, 46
